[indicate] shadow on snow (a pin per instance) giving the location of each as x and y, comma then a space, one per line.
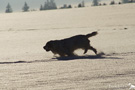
98, 56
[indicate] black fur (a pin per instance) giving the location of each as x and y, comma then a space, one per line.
66, 47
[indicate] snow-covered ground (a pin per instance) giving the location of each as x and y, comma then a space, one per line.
24, 65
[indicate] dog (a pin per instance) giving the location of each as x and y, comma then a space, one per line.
66, 47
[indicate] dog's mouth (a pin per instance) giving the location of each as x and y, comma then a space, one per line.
47, 50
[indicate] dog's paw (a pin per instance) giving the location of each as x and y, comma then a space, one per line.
100, 54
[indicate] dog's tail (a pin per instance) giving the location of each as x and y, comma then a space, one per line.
92, 34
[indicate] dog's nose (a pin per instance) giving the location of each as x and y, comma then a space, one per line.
43, 47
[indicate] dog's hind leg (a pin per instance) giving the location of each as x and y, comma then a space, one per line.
93, 49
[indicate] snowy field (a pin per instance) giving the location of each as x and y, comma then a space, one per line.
24, 65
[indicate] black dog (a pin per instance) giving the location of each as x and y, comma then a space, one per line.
66, 47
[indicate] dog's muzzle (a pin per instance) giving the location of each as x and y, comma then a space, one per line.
45, 48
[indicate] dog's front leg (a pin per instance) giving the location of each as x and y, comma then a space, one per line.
85, 51
69, 53
62, 55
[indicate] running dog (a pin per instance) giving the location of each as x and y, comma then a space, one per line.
66, 47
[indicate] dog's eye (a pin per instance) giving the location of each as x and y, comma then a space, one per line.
49, 44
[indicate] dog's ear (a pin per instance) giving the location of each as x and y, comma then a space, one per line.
50, 44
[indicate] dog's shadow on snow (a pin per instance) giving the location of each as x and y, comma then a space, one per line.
26, 62
90, 57
98, 56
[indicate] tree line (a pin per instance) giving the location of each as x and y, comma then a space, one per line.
50, 4
97, 2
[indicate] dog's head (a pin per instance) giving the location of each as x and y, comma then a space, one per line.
48, 46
